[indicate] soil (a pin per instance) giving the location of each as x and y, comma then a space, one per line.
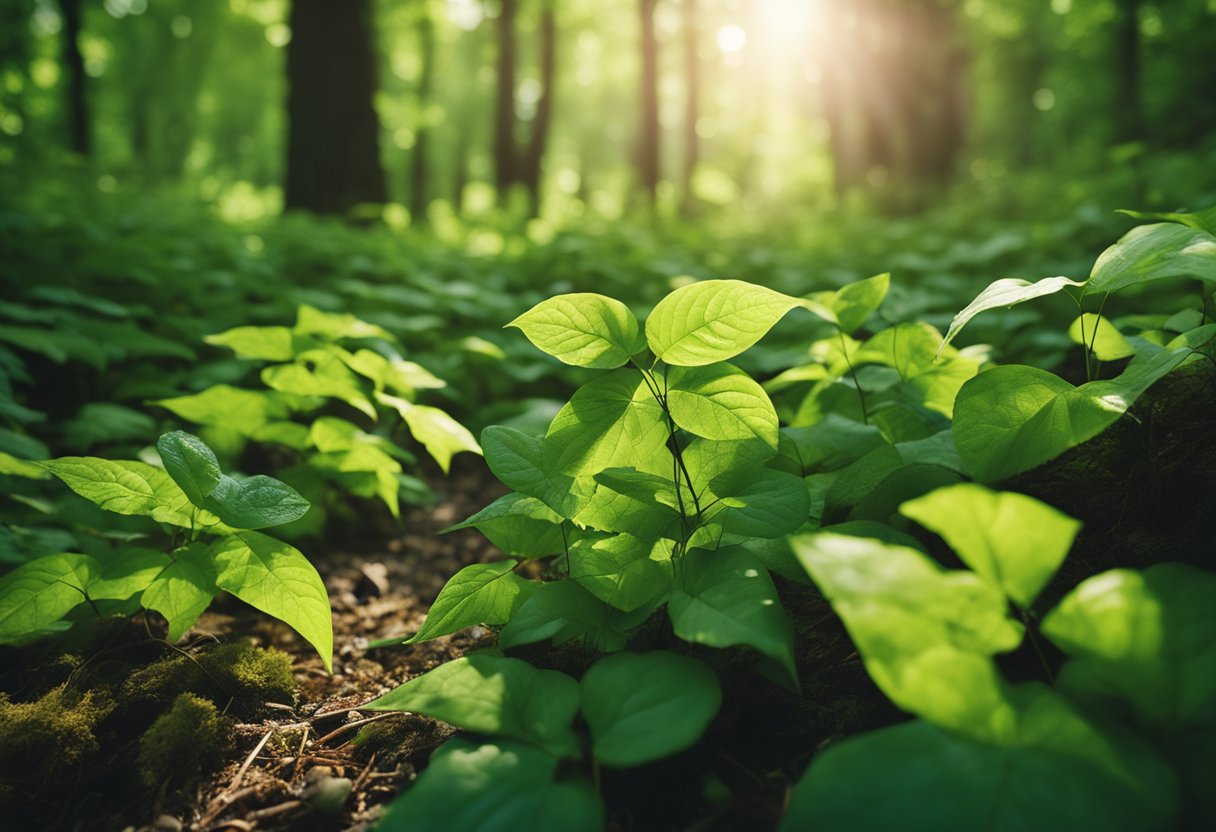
299, 766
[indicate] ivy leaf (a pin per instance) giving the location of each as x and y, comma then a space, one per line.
516, 459
190, 463
726, 598
471, 786
720, 401
255, 503
610, 422
713, 320
518, 525
642, 707
36, 595
583, 329
439, 433
482, 593
1013, 541
275, 578
1154, 252
126, 487
1012, 418
183, 589
496, 696
1006, 292
1148, 636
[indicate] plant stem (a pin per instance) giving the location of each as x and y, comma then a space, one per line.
1038, 650
861, 395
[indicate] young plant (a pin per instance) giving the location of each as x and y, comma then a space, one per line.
214, 543
310, 366
1109, 745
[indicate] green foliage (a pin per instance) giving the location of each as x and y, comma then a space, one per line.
46, 738
180, 582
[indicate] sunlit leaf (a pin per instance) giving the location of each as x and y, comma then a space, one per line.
713, 320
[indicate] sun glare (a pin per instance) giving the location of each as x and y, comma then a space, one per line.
731, 38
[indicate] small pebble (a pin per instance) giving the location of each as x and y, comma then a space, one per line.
167, 823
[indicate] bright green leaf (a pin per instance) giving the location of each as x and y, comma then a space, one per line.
516, 460
609, 422
255, 503
127, 487
619, 570
583, 329
439, 433
1107, 342
268, 343
190, 463
713, 320
126, 572
1006, 292
563, 611
1154, 252
183, 589
36, 595
482, 593
518, 525
721, 401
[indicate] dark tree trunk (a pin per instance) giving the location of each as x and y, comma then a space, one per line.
419, 195
692, 104
79, 136
648, 129
1128, 115
333, 141
506, 168
544, 108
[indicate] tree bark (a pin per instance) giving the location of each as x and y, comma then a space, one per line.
1128, 115
506, 168
333, 142
419, 195
79, 126
692, 104
539, 139
648, 128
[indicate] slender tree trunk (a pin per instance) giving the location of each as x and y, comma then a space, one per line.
648, 130
506, 172
1128, 116
80, 138
544, 108
692, 104
333, 141
419, 196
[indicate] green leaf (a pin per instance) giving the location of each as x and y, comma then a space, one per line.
720, 401
127, 572
1203, 220
275, 578
926, 634
183, 589
34, 596
564, 611
1006, 292
1149, 636
471, 786
268, 343
14, 467
1012, 418
127, 487
828, 445
1154, 252
767, 504
439, 433
255, 503
1108, 343
713, 320
516, 459
928, 778
631, 501
583, 329
611, 421
482, 593
190, 463
1013, 541
321, 373
518, 525
726, 598
642, 707
243, 411
335, 326
620, 570
849, 306
496, 696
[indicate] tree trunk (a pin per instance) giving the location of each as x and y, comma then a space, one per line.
79, 135
419, 196
1128, 116
506, 172
544, 108
692, 104
333, 141
648, 130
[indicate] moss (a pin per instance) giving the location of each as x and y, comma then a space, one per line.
238, 677
182, 742
49, 736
